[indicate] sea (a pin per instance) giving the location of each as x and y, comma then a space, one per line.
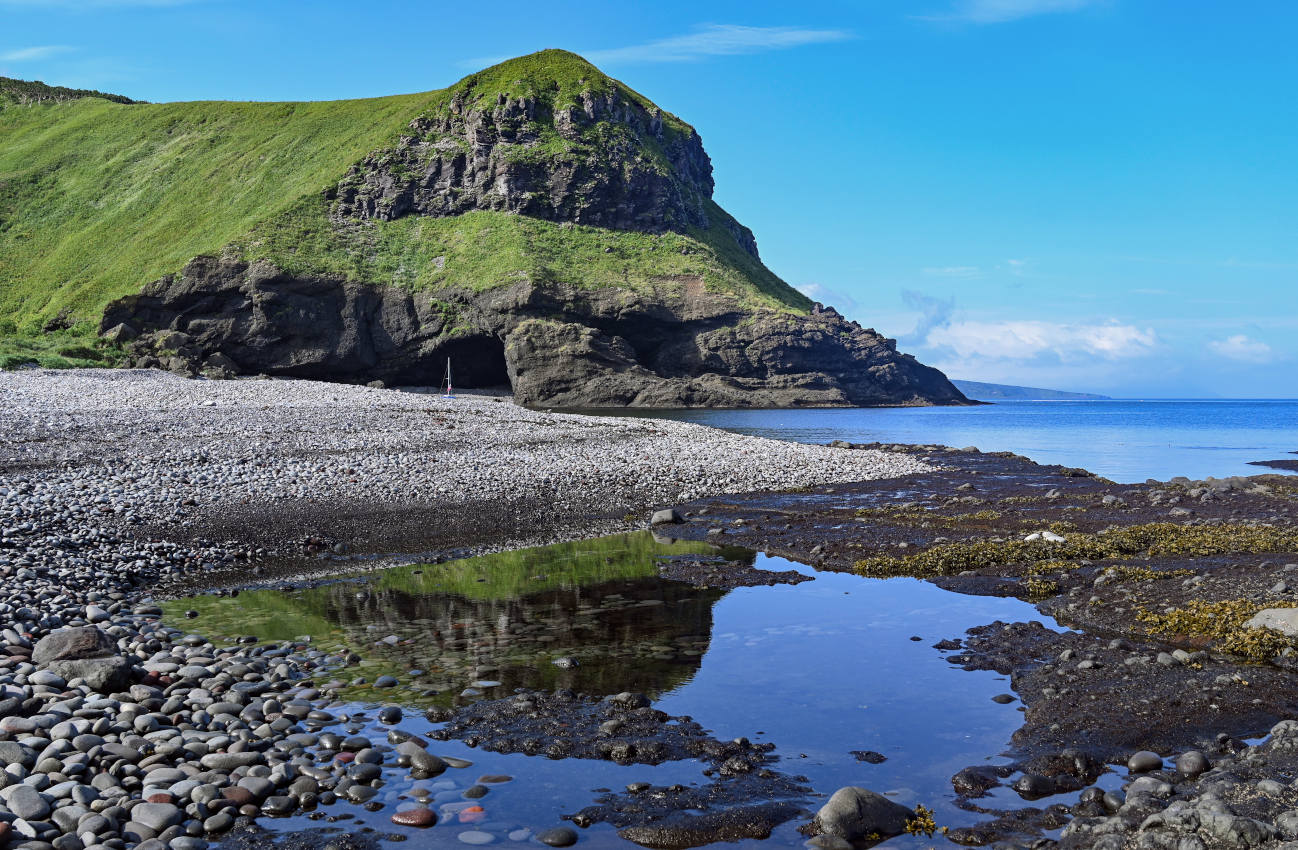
1128, 441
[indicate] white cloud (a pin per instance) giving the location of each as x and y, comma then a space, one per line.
840, 301
31, 54
1240, 347
716, 40
1025, 340
1000, 11
952, 271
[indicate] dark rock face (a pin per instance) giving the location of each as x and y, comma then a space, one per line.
556, 345
613, 165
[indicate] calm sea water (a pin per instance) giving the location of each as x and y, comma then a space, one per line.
1126, 441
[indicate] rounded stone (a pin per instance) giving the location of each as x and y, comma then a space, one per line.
476, 836
1144, 761
420, 816
1192, 763
560, 836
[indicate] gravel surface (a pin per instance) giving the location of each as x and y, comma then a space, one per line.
161, 439
116, 731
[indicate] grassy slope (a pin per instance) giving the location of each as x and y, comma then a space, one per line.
98, 198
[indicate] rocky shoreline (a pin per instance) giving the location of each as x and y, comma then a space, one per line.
117, 730
1155, 585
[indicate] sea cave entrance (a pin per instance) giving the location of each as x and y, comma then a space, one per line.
477, 362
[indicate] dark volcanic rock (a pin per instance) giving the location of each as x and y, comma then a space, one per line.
681, 829
556, 344
622, 728
484, 153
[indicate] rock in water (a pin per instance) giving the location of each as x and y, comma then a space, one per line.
560, 836
1144, 761
666, 516
854, 813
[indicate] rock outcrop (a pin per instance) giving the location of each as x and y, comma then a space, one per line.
608, 161
556, 345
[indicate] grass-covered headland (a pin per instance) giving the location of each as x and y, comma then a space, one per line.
100, 195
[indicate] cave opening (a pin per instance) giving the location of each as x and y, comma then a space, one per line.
477, 362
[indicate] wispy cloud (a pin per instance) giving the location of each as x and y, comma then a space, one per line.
840, 301
1001, 11
952, 271
1242, 348
32, 54
716, 40
933, 312
1029, 339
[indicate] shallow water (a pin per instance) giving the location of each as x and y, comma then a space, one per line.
820, 669
1126, 441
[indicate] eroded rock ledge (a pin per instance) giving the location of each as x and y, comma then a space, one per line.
556, 345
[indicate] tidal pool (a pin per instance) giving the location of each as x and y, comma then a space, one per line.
821, 669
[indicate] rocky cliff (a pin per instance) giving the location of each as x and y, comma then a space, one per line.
542, 226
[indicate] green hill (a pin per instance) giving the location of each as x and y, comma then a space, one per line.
98, 198
539, 222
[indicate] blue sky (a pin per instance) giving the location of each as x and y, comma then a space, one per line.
1095, 195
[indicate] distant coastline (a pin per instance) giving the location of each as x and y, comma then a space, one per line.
981, 391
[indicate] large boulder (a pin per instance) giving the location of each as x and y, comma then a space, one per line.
80, 642
85, 653
1282, 620
855, 813
102, 675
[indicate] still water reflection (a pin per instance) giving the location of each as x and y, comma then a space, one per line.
821, 669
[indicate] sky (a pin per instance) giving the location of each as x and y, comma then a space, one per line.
1091, 195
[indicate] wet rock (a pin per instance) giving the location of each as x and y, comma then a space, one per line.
1191, 763
1144, 761
667, 516
560, 836
854, 813
681, 830
419, 816
476, 836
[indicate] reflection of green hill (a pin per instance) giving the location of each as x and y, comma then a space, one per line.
508, 575
503, 617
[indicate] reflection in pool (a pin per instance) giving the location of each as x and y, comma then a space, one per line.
821, 669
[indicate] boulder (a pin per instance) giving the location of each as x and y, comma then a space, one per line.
102, 675
1282, 620
80, 642
120, 332
855, 813
667, 516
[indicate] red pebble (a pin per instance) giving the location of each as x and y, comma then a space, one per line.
160, 797
345, 757
421, 817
